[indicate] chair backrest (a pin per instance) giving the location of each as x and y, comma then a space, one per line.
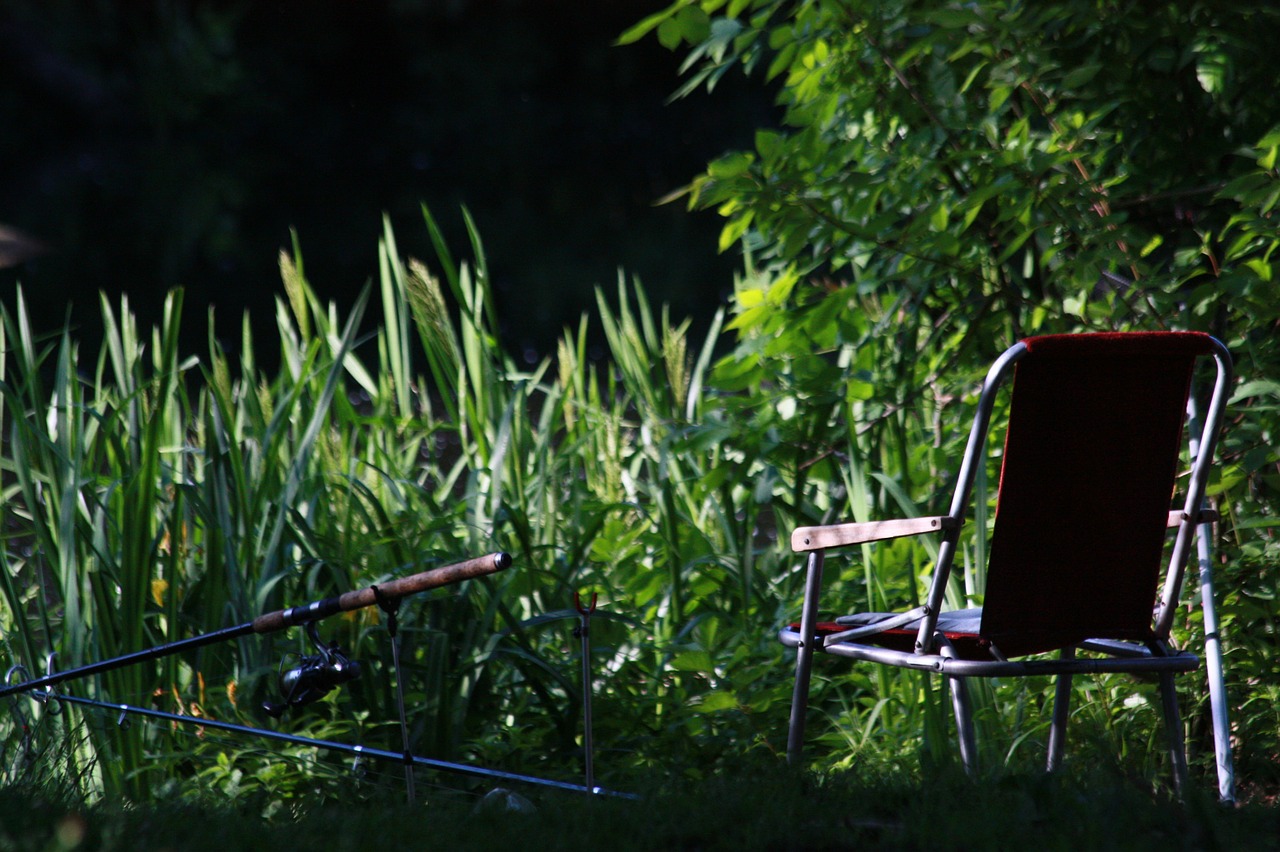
1088, 473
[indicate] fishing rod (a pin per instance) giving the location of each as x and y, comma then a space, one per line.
331, 745
281, 619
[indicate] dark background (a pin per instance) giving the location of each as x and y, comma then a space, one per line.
148, 145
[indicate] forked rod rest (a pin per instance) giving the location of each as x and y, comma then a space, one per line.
283, 618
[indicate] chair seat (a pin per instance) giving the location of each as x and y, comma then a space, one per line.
962, 627
959, 626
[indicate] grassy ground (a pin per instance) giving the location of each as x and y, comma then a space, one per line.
756, 809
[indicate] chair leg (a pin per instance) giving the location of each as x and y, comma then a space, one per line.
963, 709
1213, 669
1061, 712
1173, 730
804, 657
964, 723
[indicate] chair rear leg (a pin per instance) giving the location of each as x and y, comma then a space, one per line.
1061, 712
804, 658
1173, 731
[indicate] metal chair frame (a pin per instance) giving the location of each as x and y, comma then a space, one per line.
933, 652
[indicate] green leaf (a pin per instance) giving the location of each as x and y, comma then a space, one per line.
1255, 388
695, 25
733, 230
717, 701
639, 30
692, 661
769, 143
1261, 268
731, 165
940, 218
1267, 160
973, 75
670, 33
1082, 75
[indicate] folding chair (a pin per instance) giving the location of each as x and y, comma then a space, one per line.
1090, 461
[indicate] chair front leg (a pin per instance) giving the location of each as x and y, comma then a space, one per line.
804, 657
963, 709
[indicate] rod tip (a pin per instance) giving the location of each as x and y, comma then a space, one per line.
502, 560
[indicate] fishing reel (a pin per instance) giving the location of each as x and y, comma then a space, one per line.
315, 675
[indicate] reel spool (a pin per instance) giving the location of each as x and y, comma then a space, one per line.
315, 675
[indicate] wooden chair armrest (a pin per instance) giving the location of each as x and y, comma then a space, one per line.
804, 539
1206, 516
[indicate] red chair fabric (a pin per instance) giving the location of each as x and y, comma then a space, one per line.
1089, 468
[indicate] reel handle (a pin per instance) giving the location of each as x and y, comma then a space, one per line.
480, 566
